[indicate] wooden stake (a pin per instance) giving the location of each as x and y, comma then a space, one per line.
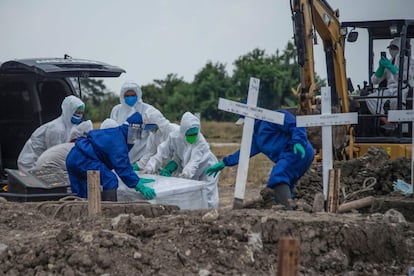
94, 193
333, 190
288, 257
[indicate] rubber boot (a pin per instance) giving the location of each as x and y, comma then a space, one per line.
109, 195
282, 195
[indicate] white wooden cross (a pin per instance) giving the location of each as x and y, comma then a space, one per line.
250, 112
405, 116
326, 120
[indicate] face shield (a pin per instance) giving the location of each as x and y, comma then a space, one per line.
134, 133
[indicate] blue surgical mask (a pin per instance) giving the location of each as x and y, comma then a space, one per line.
131, 100
76, 119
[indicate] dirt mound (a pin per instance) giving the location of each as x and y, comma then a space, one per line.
57, 238
224, 242
372, 174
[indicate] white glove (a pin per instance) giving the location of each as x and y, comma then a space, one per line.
147, 170
184, 175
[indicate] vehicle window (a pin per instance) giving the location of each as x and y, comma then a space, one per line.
51, 95
15, 102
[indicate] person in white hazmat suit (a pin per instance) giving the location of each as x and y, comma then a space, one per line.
52, 133
130, 98
54, 158
159, 128
388, 70
188, 147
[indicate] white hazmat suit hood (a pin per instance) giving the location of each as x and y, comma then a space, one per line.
122, 111
194, 159
154, 116
108, 123
50, 134
81, 130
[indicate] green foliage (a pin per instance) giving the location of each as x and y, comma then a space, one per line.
278, 74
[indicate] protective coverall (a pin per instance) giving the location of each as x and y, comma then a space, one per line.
155, 138
194, 158
54, 158
376, 106
50, 134
122, 111
286, 145
103, 150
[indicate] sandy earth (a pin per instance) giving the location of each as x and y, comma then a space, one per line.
57, 238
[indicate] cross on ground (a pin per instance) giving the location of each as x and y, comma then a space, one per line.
326, 120
251, 112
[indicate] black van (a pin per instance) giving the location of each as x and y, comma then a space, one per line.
31, 93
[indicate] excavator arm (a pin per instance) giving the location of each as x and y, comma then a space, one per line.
316, 15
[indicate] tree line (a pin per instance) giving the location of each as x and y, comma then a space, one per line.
278, 74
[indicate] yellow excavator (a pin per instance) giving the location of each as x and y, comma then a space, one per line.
316, 17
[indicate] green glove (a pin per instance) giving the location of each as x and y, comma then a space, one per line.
136, 167
146, 191
214, 169
380, 72
298, 147
169, 168
386, 63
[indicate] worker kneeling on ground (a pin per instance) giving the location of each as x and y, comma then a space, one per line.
105, 150
287, 146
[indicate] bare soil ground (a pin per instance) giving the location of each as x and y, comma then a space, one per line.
58, 238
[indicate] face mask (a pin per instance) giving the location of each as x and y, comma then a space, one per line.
76, 119
191, 139
191, 135
393, 53
131, 100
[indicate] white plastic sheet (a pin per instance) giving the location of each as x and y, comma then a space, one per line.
184, 193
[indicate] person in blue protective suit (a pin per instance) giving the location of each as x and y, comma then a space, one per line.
287, 146
106, 150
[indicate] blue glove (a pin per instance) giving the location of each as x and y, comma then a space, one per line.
214, 169
135, 167
386, 63
169, 168
146, 191
298, 147
402, 186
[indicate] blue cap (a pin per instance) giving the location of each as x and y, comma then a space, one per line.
135, 119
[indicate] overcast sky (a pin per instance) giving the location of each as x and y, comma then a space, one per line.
152, 38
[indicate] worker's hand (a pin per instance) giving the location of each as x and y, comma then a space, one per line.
169, 168
136, 167
386, 63
299, 148
146, 191
214, 169
165, 172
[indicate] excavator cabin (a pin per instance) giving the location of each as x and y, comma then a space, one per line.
371, 129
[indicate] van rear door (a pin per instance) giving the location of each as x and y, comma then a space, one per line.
61, 67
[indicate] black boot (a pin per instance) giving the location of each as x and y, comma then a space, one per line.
109, 195
282, 195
